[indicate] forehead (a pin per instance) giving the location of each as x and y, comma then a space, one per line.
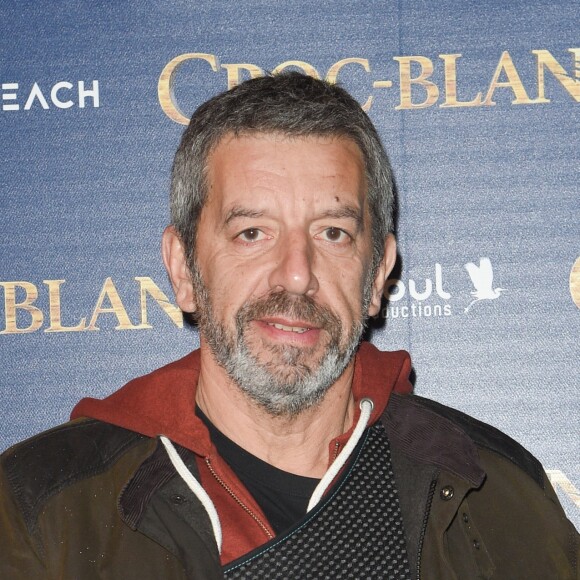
271, 163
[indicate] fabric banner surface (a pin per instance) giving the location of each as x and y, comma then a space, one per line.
477, 105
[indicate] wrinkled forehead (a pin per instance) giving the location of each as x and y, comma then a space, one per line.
309, 141
294, 163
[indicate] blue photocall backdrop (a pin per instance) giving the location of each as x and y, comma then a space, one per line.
477, 104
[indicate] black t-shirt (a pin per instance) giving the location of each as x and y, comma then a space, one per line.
282, 496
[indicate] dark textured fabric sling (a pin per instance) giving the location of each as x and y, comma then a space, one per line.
355, 532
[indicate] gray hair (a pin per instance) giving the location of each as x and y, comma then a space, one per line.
291, 104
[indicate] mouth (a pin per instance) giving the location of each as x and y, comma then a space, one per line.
286, 328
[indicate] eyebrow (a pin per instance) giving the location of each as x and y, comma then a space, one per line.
241, 212
346, 211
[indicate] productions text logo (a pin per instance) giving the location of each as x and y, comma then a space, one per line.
419, 81
430, 297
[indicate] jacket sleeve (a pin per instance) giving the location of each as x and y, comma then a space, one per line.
21, 557
519, 521
573, 535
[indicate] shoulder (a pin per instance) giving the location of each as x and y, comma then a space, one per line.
40, 467
422, 426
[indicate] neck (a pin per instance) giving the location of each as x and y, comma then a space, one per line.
297, 444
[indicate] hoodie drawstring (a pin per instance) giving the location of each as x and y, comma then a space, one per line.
196, 489
366, 408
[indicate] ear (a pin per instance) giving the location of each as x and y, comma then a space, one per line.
175, 261
383, 271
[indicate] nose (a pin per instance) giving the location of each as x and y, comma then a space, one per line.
293, 270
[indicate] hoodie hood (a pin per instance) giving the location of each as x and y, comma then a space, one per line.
163, 402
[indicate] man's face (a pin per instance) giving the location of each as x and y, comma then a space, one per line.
282, 264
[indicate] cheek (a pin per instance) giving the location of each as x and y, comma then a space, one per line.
230, 292
344, 293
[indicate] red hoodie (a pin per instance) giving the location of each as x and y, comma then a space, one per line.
163, 403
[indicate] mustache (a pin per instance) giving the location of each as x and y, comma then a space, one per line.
284, 304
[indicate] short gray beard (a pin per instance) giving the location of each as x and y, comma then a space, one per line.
291, 382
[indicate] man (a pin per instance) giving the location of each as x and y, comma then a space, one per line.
282, 448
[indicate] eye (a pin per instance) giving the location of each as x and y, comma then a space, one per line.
335, 235
251, 235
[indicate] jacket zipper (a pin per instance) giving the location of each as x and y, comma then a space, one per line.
424, 526
336, 448
238, 500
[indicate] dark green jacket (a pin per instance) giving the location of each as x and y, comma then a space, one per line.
89, 500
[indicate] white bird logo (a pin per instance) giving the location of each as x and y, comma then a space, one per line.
482, 278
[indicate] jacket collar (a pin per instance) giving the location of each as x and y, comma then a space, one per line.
163, 401
426, 436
